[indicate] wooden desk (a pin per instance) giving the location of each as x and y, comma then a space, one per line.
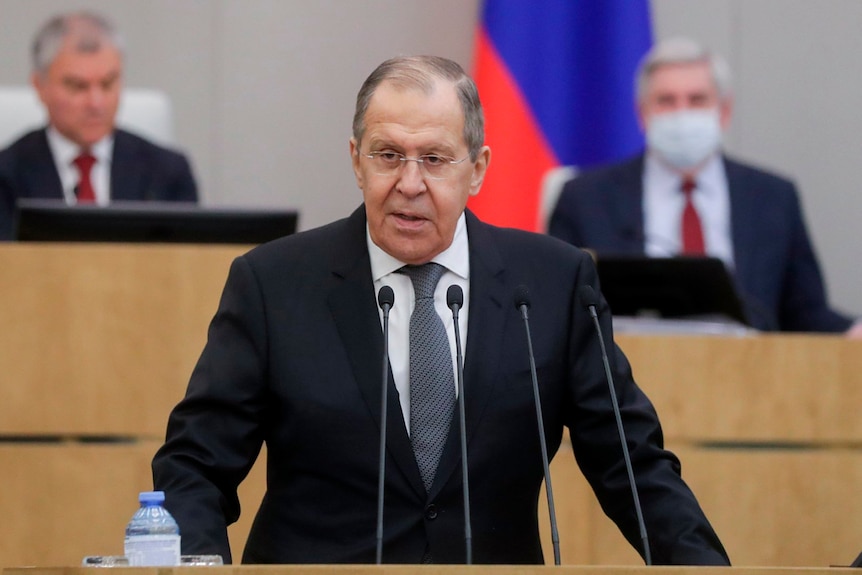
96, 346
783, 389
770, 439
104, 336
98, 343
433, 570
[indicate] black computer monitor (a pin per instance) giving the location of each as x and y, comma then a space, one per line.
679, 287
157, 222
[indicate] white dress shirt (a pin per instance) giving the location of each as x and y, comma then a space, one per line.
456, 260
65, 151
664, 203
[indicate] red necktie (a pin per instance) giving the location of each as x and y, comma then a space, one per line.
692, 233
85, 193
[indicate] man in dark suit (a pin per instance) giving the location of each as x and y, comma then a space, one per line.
747, 217
293, 360
80, 156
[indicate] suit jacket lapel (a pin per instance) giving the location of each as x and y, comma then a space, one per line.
743, 225
43, 181
128, 180
488, 294
627, 196
354, 310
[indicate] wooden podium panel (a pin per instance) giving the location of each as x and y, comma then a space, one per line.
65, 500
97, 345
794, 507
434, 570
101, 339
98, 341
767, 388
62, 501
770, 438
769, 507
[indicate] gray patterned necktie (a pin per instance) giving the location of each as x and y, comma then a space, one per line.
432, 382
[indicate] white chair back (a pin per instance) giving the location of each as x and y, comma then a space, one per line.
146, 112
552, 185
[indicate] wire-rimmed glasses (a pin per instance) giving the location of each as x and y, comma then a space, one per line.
433, 166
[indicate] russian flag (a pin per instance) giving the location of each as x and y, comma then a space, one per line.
556, 79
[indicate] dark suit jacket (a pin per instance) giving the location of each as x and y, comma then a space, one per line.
140, 171
777, 273
293, 360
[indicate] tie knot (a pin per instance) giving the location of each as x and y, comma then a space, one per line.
688, 185
84, 162
424, 278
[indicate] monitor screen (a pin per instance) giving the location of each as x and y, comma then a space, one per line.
157, 222
680, 287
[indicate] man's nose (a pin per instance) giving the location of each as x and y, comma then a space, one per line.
96, 97
411, 180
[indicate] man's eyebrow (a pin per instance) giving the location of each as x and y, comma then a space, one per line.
112, 77
73, 80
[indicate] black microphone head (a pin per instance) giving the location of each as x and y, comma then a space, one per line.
587, 295
455, 296
386, 297
522, 296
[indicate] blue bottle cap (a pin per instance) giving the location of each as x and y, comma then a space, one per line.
151, 497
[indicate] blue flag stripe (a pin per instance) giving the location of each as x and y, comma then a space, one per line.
574, 61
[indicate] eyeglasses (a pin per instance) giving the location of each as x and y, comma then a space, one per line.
432, 166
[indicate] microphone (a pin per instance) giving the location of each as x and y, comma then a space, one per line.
589, 300
522, 303
455, 301
385, 299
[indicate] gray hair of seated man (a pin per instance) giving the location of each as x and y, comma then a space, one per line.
681, 50
88, 32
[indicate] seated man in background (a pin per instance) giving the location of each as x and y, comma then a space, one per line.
684, 197
81, 156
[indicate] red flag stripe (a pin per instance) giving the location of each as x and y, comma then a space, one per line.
520, 154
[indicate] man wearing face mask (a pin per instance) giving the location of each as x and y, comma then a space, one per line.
683, 196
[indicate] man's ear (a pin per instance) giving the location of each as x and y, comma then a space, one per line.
38, 83
641, 116
480, 167
725, 112
354, 160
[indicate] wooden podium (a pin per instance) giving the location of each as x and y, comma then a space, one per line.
97, 343
435, 570
769, 432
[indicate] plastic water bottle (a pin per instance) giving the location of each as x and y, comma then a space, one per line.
152, 536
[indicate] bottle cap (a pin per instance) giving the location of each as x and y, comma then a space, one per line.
151, 497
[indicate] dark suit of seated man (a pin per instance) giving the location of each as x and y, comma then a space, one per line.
293, 361
750, 218
80, 156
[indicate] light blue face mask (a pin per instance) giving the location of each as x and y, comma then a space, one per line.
685, 138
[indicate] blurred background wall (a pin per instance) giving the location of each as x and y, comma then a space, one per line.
263, 91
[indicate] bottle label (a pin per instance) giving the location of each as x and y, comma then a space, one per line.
153, 550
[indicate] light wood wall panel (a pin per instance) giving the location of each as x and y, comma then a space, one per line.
785, 388
105, 336
765, 426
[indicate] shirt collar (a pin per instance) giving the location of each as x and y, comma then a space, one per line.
670, 180
65, 150
455, 258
